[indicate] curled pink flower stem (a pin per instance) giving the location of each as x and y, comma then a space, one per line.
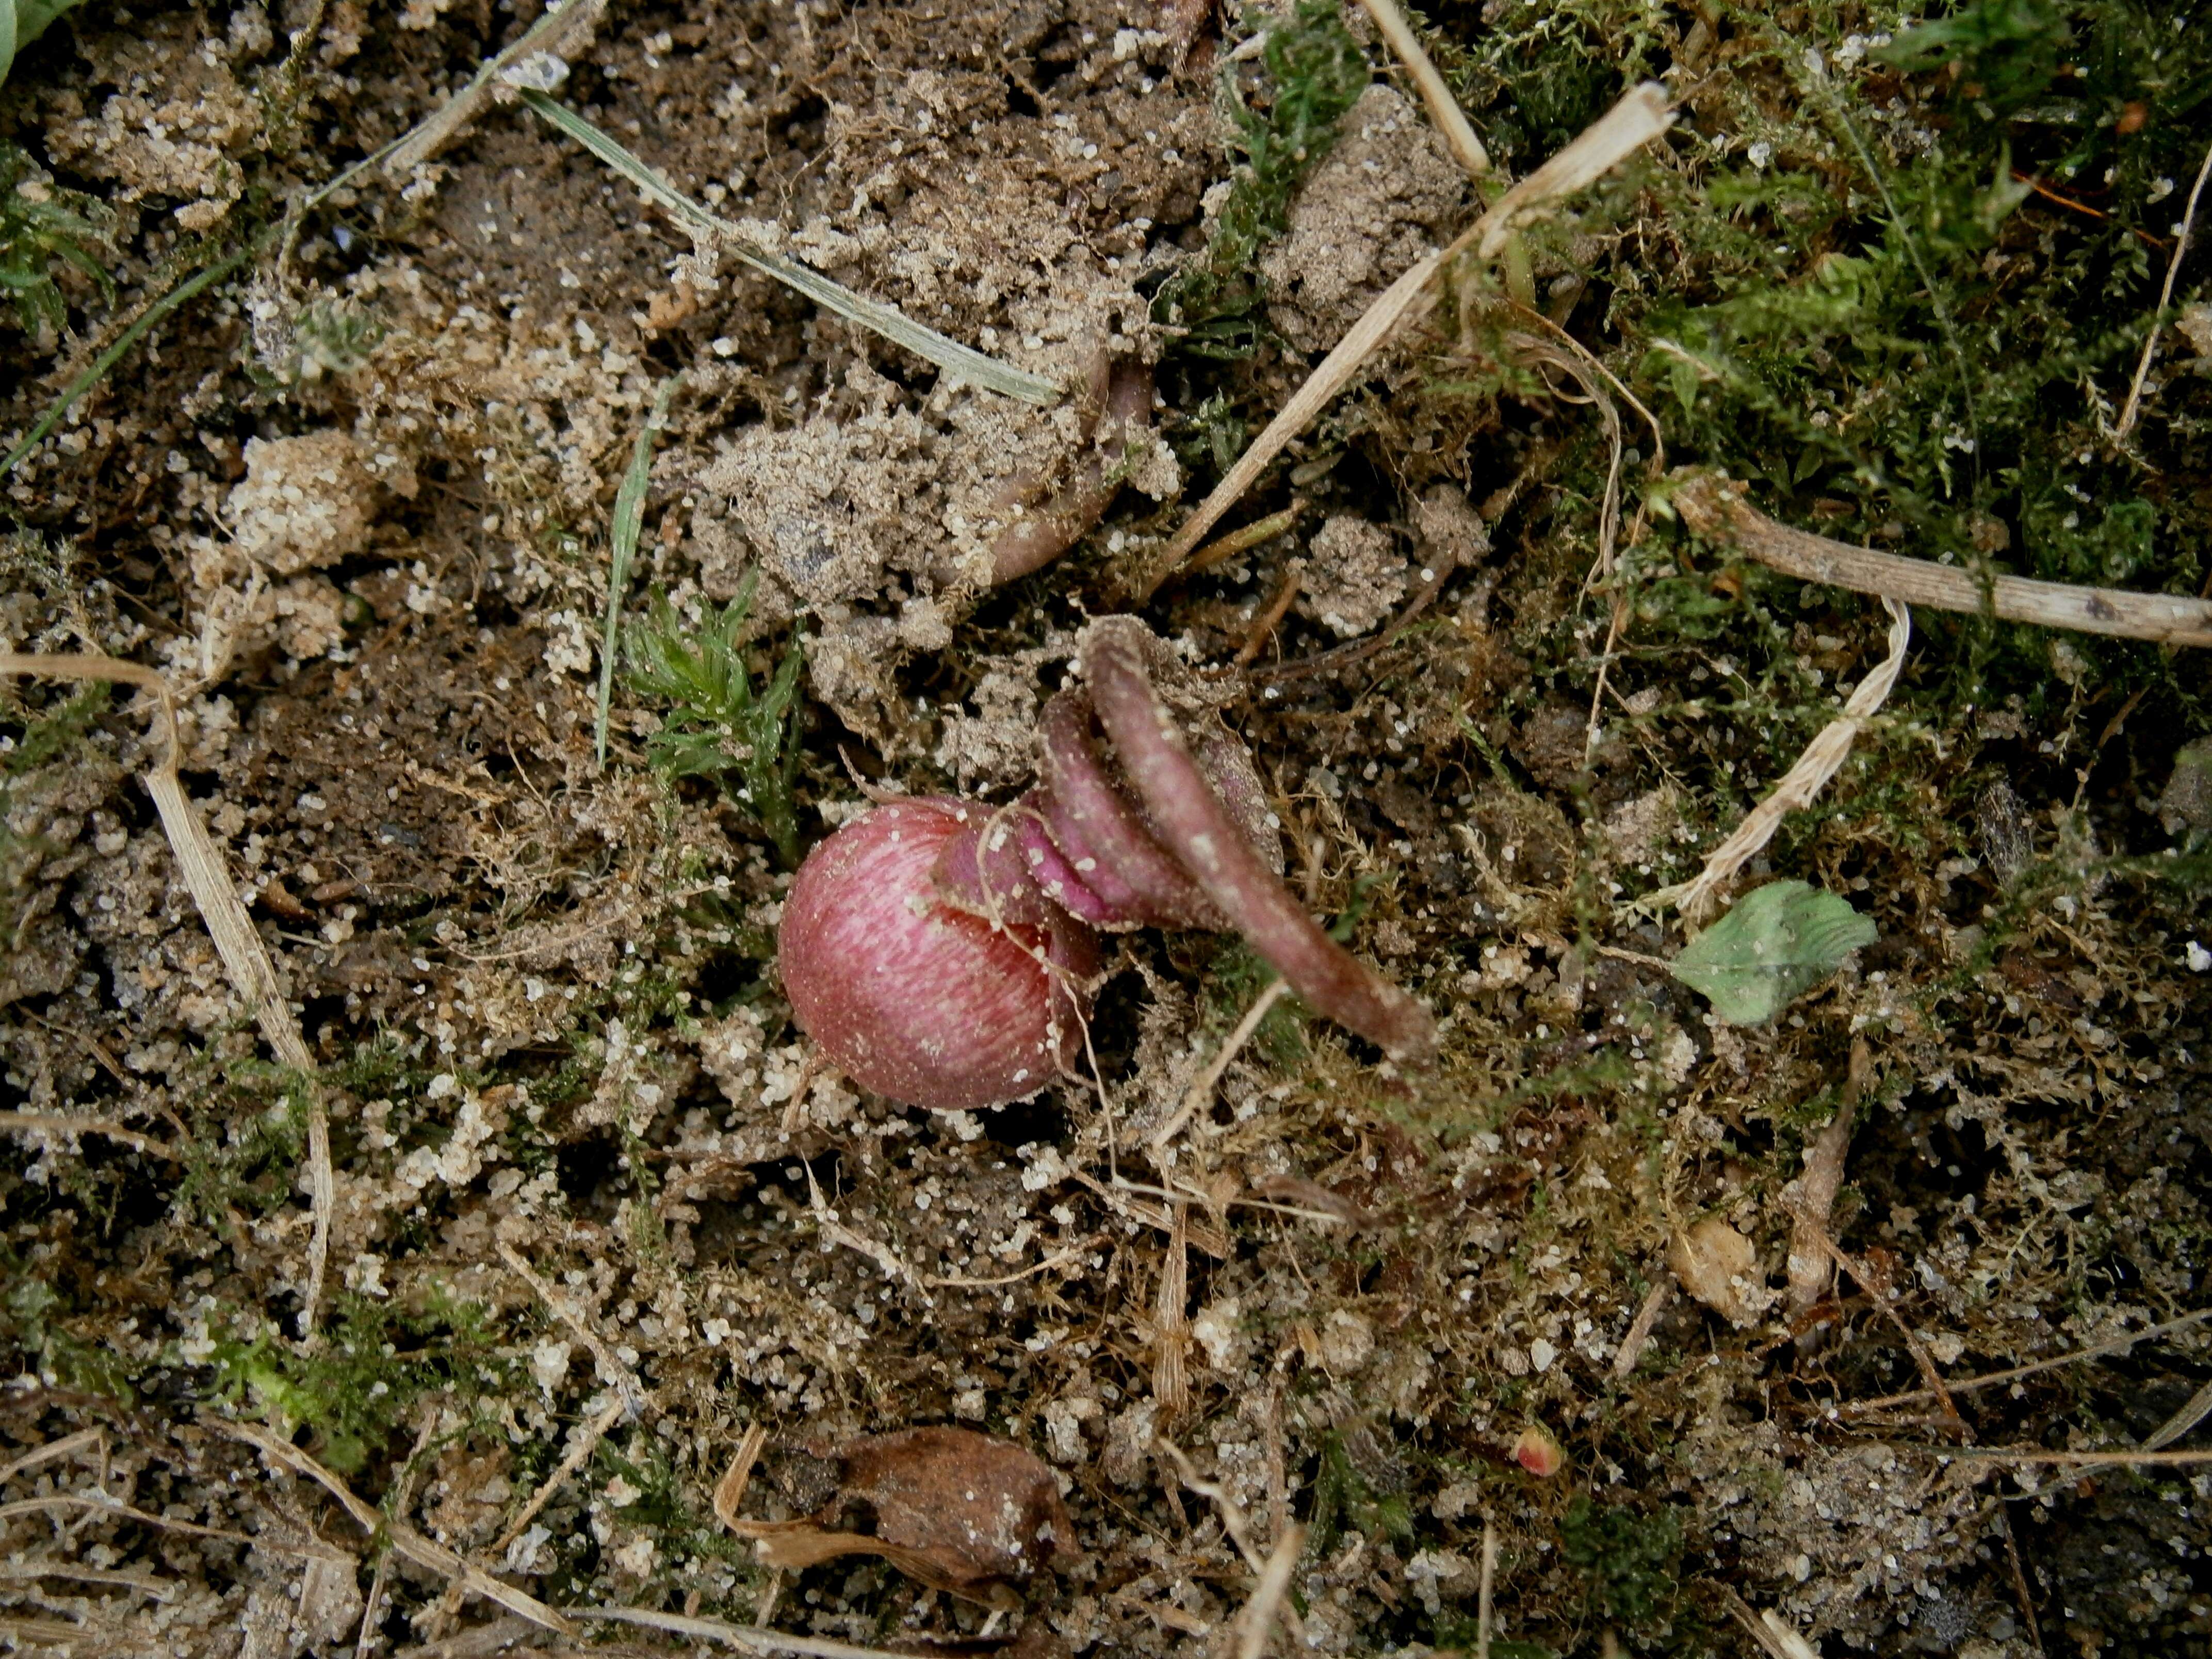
1095, 824
1198, 828
943, 952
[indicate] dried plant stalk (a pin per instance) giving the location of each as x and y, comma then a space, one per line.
1444, 108
2165, 298
1714, 508
1811, 1273
1630, 125
1801, 784
564, 29
415, 1545
244, 958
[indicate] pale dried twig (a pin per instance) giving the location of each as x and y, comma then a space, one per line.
1484, 1612
730, 1490
2120, 1344
2199, 1405
1444, 108
244, 958
1929, 1374
2165, 298
1201, 1090
1766, 1627
1811, 1273
1233, 1519
1639, 1331
40, 1455
1714, 508
2124, 1456
1637, 118
1258, 1617
1801, 784
57, 1123
586, 1443
561, 30
738, 1636
415, 1545
611, 1369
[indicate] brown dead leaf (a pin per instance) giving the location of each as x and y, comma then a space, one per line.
1717, 1265
963, 1512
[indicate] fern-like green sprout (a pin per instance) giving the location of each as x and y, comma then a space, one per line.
40, 225
717, 727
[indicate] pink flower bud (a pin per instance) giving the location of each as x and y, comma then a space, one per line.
917, 1000
1538, 1453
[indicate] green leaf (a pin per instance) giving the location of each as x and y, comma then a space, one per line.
22, 21
1778, 944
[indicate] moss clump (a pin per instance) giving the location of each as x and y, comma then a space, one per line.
1315, 72
717, 727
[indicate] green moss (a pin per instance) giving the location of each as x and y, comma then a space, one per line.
376, 1362
1315, 72
717, 727
1631, 1563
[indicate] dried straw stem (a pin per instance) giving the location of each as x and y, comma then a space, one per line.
1801, 786
417, 1547
1444, 108
244, 958
2165, 298
1714, 507
1637, 118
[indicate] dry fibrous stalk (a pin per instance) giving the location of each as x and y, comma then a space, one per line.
1714, 506
942, 952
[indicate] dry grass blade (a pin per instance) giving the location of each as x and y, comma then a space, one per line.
893, 324
1258, 1619
1801, 786
1811, 1273
1444, 108
1233, 1520
563, 29
409, 1542
1714, 508
579, 1455
244, 958
2199, 1407
1201, 1091
1633, 122
1775, 1638
730, 1490
1171, 1319
57, 1123
738, 1636
2165, 298
1484, 1611
38, 1457
1639, 1330
1996, 1379
2120, 1455
611, 1369
1876, 1288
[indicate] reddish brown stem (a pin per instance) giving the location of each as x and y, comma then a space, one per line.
1036, 539
1196, 827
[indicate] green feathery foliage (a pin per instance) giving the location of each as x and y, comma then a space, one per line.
717, 727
